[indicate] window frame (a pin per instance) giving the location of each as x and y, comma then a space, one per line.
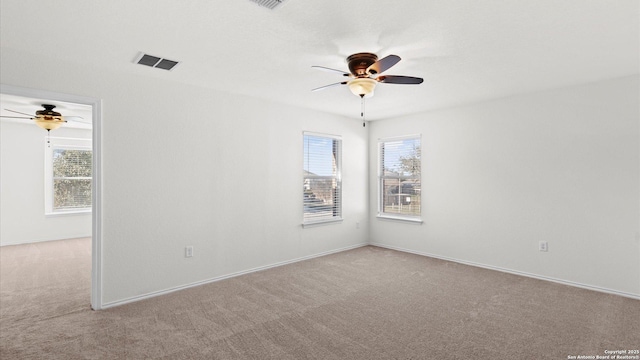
381, 214
337, 209
51, 144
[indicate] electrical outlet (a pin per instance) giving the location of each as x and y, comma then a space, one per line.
188, 251
543, 246
357, 225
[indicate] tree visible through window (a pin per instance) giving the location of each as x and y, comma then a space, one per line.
71, 179
68, 175
399, 177
321, 173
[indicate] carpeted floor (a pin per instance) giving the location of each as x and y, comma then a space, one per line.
367, 303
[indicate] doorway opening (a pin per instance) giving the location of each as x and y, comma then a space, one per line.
84, 114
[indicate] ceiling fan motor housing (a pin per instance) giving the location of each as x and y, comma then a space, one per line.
360, 62
48, 112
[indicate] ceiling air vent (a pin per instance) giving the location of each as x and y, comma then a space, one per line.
271, 4
156, 62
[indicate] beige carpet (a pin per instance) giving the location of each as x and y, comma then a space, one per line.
367, 303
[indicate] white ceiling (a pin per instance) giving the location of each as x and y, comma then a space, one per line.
466, 50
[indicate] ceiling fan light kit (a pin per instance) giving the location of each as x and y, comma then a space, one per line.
48, 119
48, 124
362, 87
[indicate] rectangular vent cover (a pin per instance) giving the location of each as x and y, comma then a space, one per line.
271, 4
156, 62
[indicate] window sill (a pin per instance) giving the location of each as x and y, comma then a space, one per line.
321, 222
65, 213
400, 218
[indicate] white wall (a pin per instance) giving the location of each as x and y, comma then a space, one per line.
184, 165
22, 218
561, 166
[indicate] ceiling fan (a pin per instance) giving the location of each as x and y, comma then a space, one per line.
47, 118
365, 73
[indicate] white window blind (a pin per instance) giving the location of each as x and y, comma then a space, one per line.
68, 167
322, 190
399, 177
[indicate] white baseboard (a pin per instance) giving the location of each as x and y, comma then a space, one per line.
223, 277
45, 240
515, 272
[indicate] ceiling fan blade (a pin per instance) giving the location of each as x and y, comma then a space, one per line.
334, 70
16, 117
383, 64
328, 86
78, 119
399, 79
18, 112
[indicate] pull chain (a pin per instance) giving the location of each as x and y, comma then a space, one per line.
362, 109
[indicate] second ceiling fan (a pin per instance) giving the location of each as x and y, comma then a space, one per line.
47, 118
365, 73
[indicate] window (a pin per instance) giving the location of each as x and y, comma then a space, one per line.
68, 175
322, 194
399, 178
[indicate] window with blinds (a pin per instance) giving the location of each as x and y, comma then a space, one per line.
399, 178
68, 167
322, 190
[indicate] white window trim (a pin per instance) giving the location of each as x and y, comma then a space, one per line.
321, 222
406, 218
395, 217
67, 143
338, 219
